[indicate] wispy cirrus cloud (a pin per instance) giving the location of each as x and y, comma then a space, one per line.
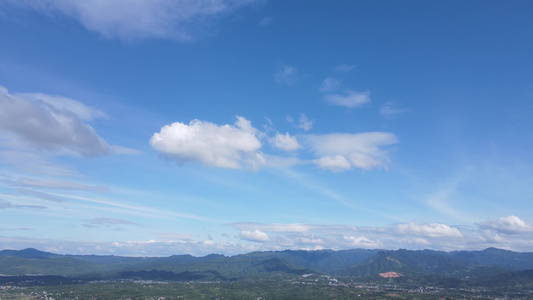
108, 222
56, 184
61, 103
274, 227
4, 204
114, 206
345, 97
391, 110
330, 84
44, 196
183, 20
349, 99
287, 75
25, 158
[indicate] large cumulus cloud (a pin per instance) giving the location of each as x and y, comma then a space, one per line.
226, 146
51, 123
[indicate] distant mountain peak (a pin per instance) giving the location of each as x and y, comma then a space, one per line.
27, 253
492, 249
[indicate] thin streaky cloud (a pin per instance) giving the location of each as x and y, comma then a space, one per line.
61, 103
314, 185
107, 222
185, 20
27, 160
44, 196
349, 99
56, 184
142, 209
4, 204
391, 110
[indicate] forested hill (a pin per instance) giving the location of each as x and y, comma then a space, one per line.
490, 265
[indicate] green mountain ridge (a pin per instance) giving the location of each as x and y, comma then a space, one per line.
417, 263
451, 268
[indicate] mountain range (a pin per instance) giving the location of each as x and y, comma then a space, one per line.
491, 266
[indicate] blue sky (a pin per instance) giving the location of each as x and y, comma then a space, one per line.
229, 126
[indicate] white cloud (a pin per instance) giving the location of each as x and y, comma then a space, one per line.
508, 225
84, 112
343, 151
277, 161
226, 146
238, 146
294, 236
285, 142
107, 222
303, 123
390, 110
350, 99
55, 184
275, 227
335, 163
138, 19
50, 123
362, 242
129, 248
406, 235
289, 119
287, 75
254, 236
330, 84
428, 230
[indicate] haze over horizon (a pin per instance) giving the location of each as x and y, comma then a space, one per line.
153, 128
